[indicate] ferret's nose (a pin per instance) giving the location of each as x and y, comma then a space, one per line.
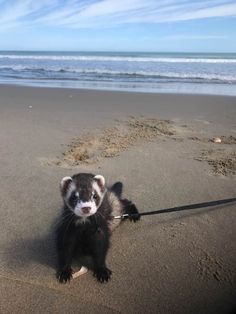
86, 210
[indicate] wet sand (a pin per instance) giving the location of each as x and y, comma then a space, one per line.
161, 147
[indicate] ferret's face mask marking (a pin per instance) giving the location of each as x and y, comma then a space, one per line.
83, 198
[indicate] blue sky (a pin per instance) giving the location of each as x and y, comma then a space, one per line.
118, 25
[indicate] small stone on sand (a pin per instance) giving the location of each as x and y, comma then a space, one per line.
217, 140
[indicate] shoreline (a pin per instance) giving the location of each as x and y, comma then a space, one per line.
212, 89
121, 91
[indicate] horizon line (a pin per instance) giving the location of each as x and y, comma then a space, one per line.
116, 51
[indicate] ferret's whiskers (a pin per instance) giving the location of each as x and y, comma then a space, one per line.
63, 219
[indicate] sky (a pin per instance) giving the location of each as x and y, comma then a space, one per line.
118, 25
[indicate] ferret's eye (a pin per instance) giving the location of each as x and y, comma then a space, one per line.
74, 197
94, 196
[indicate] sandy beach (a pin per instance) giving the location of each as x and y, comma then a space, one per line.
161, 147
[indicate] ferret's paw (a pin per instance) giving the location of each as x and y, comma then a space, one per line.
135, 217
134, 212
64, 275
102, 274
131, 209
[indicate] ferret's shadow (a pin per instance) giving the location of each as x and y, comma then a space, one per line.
23, 252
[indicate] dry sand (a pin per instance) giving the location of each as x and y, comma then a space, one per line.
161, 148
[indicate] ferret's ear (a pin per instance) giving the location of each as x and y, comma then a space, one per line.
65, 182
100, 181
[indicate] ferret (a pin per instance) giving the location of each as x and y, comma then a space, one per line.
86, 223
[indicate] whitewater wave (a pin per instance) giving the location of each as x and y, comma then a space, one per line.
120, 58
56, 72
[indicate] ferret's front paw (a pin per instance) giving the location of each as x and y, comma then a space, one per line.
133, 211
135, 217
102, 274
64, 275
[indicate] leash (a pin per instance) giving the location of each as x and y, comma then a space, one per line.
179, 208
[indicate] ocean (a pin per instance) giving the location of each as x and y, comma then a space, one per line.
204, 73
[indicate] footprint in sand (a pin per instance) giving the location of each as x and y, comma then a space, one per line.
210, 267
110, 142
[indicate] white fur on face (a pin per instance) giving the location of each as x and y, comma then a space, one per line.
79, 206
97, 189
99, 192
70, 190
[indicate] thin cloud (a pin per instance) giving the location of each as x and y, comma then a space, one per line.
108, 13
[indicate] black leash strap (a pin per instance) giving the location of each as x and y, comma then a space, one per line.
180, 208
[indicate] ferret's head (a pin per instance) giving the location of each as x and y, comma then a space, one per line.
83, 193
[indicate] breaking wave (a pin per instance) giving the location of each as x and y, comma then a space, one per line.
60, 72
119, 58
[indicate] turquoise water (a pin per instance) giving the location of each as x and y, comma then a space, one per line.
145, 72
